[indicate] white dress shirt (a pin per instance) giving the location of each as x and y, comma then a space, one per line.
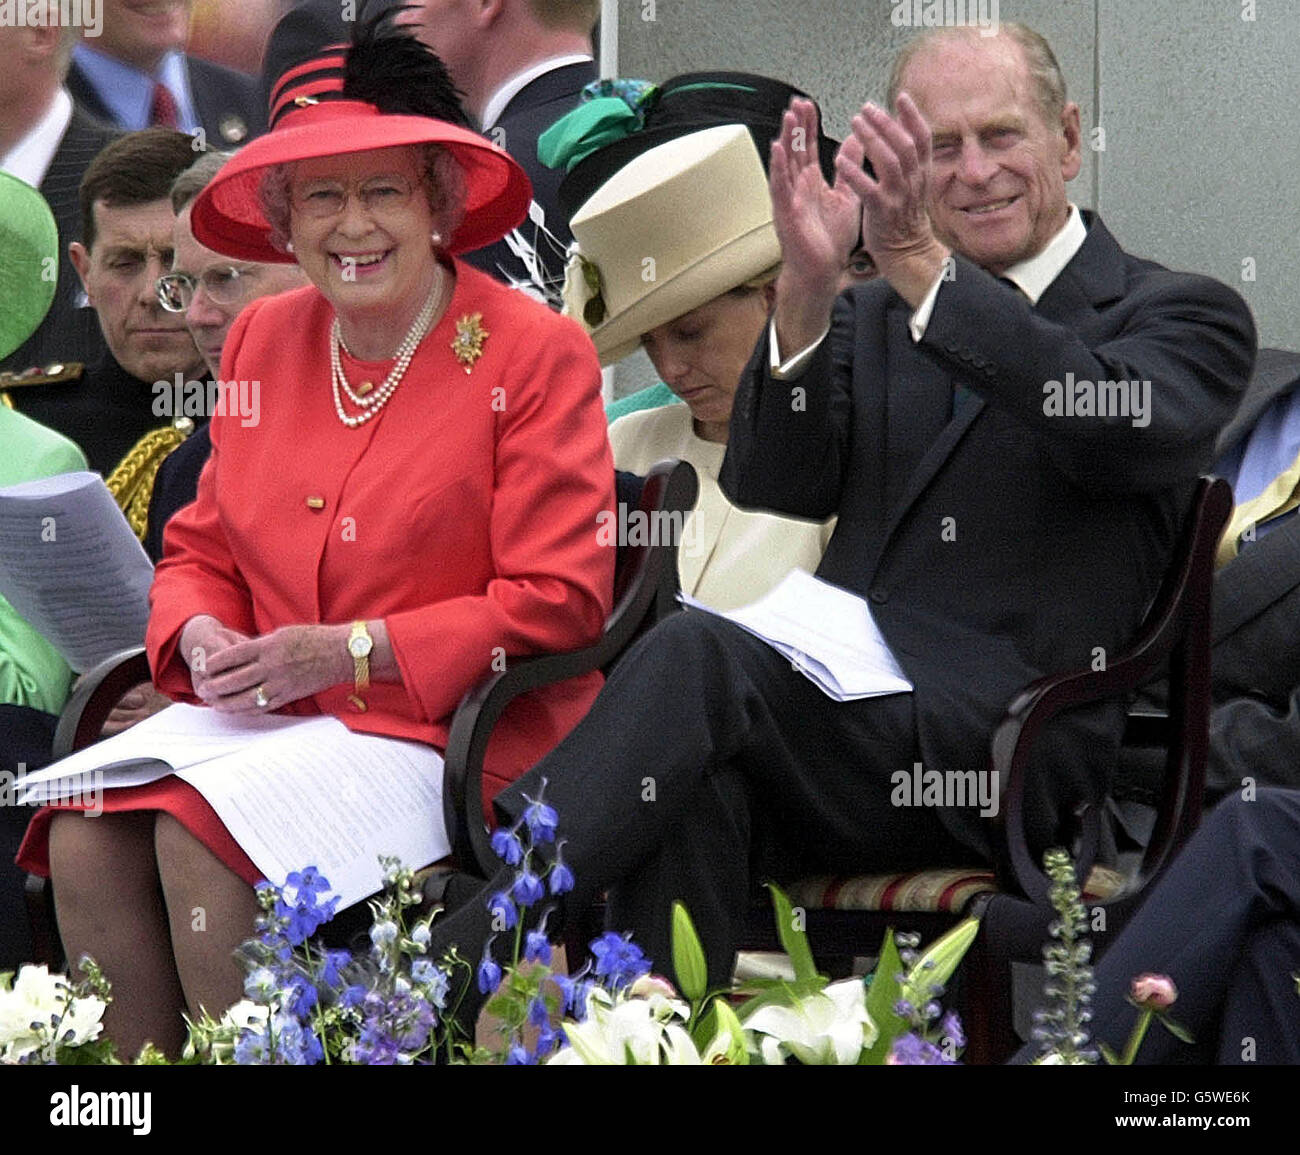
497, 102
29, 159
1031, 276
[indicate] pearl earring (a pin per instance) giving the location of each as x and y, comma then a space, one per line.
288, 246
436, 238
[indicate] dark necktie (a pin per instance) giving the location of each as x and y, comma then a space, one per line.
162, 109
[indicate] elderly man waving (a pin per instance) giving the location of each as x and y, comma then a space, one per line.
1005, 507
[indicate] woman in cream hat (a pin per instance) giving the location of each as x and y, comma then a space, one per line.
677, 253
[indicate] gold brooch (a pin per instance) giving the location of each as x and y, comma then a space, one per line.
305, 101
468, 342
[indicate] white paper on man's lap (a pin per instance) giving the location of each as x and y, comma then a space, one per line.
826, 633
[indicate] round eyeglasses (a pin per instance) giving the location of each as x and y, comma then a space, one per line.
224, 284
321, 199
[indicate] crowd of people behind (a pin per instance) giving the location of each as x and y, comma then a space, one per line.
420, 235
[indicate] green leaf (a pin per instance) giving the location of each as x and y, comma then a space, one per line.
793, 939
1112, 1059
1176, 1029
688, 956
882, 994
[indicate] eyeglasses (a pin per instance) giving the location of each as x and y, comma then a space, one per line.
224, 284
380, 195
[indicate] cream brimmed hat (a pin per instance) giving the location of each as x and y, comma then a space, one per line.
676, 227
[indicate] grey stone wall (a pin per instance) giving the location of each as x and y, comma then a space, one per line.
1196, 98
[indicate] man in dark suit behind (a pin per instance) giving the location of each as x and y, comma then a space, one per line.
48, 142
521, 65
127, 222
136, 73
1255, 656
1002, 514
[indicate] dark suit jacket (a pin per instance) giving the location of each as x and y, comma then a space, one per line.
68, 333
105, 411
1000, 544
1255, 723
228, 103
530, 113
175, 486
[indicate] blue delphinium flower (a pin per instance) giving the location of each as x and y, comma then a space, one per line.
353, 996
250, 1048
561, 877
300, 995
375, 1047
331, 969
503, 910
295, 1044
540, 819
910, 1050
518, 1056
950, 1028
549, 1041
489, 971
507, 847
537, 947
618, 960
538, 1014
438, 988
424, 972
574, 991
299, 908
527, 888
261, 984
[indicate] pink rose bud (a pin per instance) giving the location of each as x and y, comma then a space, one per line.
648, 985
1154, 991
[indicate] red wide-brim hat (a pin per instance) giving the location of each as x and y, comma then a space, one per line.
309, 120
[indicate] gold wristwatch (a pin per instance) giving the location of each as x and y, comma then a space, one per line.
360, 643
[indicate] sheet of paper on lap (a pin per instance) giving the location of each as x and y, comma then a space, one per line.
826, 632
293, 792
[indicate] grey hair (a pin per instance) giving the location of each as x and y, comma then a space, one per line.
444, 186
1044, 71
196, 178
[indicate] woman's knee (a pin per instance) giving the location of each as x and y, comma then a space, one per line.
95, 851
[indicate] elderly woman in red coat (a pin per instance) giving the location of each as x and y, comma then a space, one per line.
417, 500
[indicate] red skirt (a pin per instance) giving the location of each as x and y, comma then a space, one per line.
170, 794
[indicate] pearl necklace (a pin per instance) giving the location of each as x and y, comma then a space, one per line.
372, 403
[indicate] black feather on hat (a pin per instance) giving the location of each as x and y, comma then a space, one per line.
389, 67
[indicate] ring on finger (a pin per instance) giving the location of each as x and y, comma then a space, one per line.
260, 698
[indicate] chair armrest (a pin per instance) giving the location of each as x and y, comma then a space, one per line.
647, 593
1177, 629
95, 695
471, 731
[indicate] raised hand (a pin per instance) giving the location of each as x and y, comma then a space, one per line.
896, 222
816, 223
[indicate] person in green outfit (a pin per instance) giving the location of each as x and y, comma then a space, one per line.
34, 678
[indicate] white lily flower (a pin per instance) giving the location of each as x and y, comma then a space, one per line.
829, 1027
638, 1031
36, 997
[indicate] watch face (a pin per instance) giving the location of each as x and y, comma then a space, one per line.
359, 647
